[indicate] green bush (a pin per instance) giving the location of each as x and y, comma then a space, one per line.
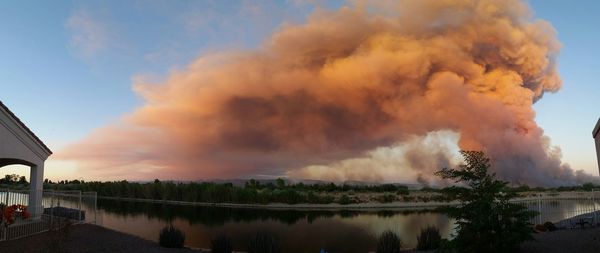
388, 242
386, 198
429, 239
403, 191
171, 237
264, 243
345, 200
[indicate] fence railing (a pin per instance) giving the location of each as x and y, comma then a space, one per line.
565, 208
58, 208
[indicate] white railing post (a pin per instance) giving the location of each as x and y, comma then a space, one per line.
79, 207
95, 208
540, 208
594, 203
6, 197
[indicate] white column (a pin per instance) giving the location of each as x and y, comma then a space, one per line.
36, 180
597, 139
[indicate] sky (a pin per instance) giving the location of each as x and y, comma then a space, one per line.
67, 68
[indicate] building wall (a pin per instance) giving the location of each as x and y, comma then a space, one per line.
598, 150
15, 143
596, 135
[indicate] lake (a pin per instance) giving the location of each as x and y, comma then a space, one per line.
298, 231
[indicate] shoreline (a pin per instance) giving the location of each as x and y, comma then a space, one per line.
354, 206
300, 206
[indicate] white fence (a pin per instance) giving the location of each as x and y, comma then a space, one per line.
565, 209
59, 208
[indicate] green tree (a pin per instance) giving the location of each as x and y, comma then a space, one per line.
487, 221
280, 183
22, 180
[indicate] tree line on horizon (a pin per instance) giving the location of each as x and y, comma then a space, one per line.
253, 191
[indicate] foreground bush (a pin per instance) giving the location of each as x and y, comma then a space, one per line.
264, 243
429, 239
171, 237
221, 244
388, 242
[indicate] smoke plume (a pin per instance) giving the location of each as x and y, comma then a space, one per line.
320, 97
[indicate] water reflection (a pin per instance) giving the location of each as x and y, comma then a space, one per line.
556, 210
299, 231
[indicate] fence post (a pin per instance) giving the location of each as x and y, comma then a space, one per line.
6, 197
96, 208
540, 208
594, 203
51, 209
79, 207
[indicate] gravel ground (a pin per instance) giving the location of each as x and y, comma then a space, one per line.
567, 240
88, 239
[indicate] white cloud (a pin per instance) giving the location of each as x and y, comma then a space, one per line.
88, 35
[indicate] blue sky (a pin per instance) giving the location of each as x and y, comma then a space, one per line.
66, 67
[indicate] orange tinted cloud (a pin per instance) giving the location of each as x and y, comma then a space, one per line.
344, 83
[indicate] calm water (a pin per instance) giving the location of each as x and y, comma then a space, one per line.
299, 231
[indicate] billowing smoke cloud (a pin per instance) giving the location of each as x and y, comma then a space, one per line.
360, 79
412, 161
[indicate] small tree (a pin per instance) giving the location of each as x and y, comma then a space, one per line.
487, 221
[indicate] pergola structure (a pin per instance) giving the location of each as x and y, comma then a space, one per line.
596, 135
19, 145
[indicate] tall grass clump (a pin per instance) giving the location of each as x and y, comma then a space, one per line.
388, 242
171, 237
264, 243
221, 244
429, 239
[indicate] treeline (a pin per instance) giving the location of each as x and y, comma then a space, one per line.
252, 192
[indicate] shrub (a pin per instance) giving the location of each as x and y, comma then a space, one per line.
388, 242
403, 191
429, 239
264, 243
345, 200
386, 198
171, 237
221, 244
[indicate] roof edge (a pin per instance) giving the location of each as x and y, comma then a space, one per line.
596, 129
37, 139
